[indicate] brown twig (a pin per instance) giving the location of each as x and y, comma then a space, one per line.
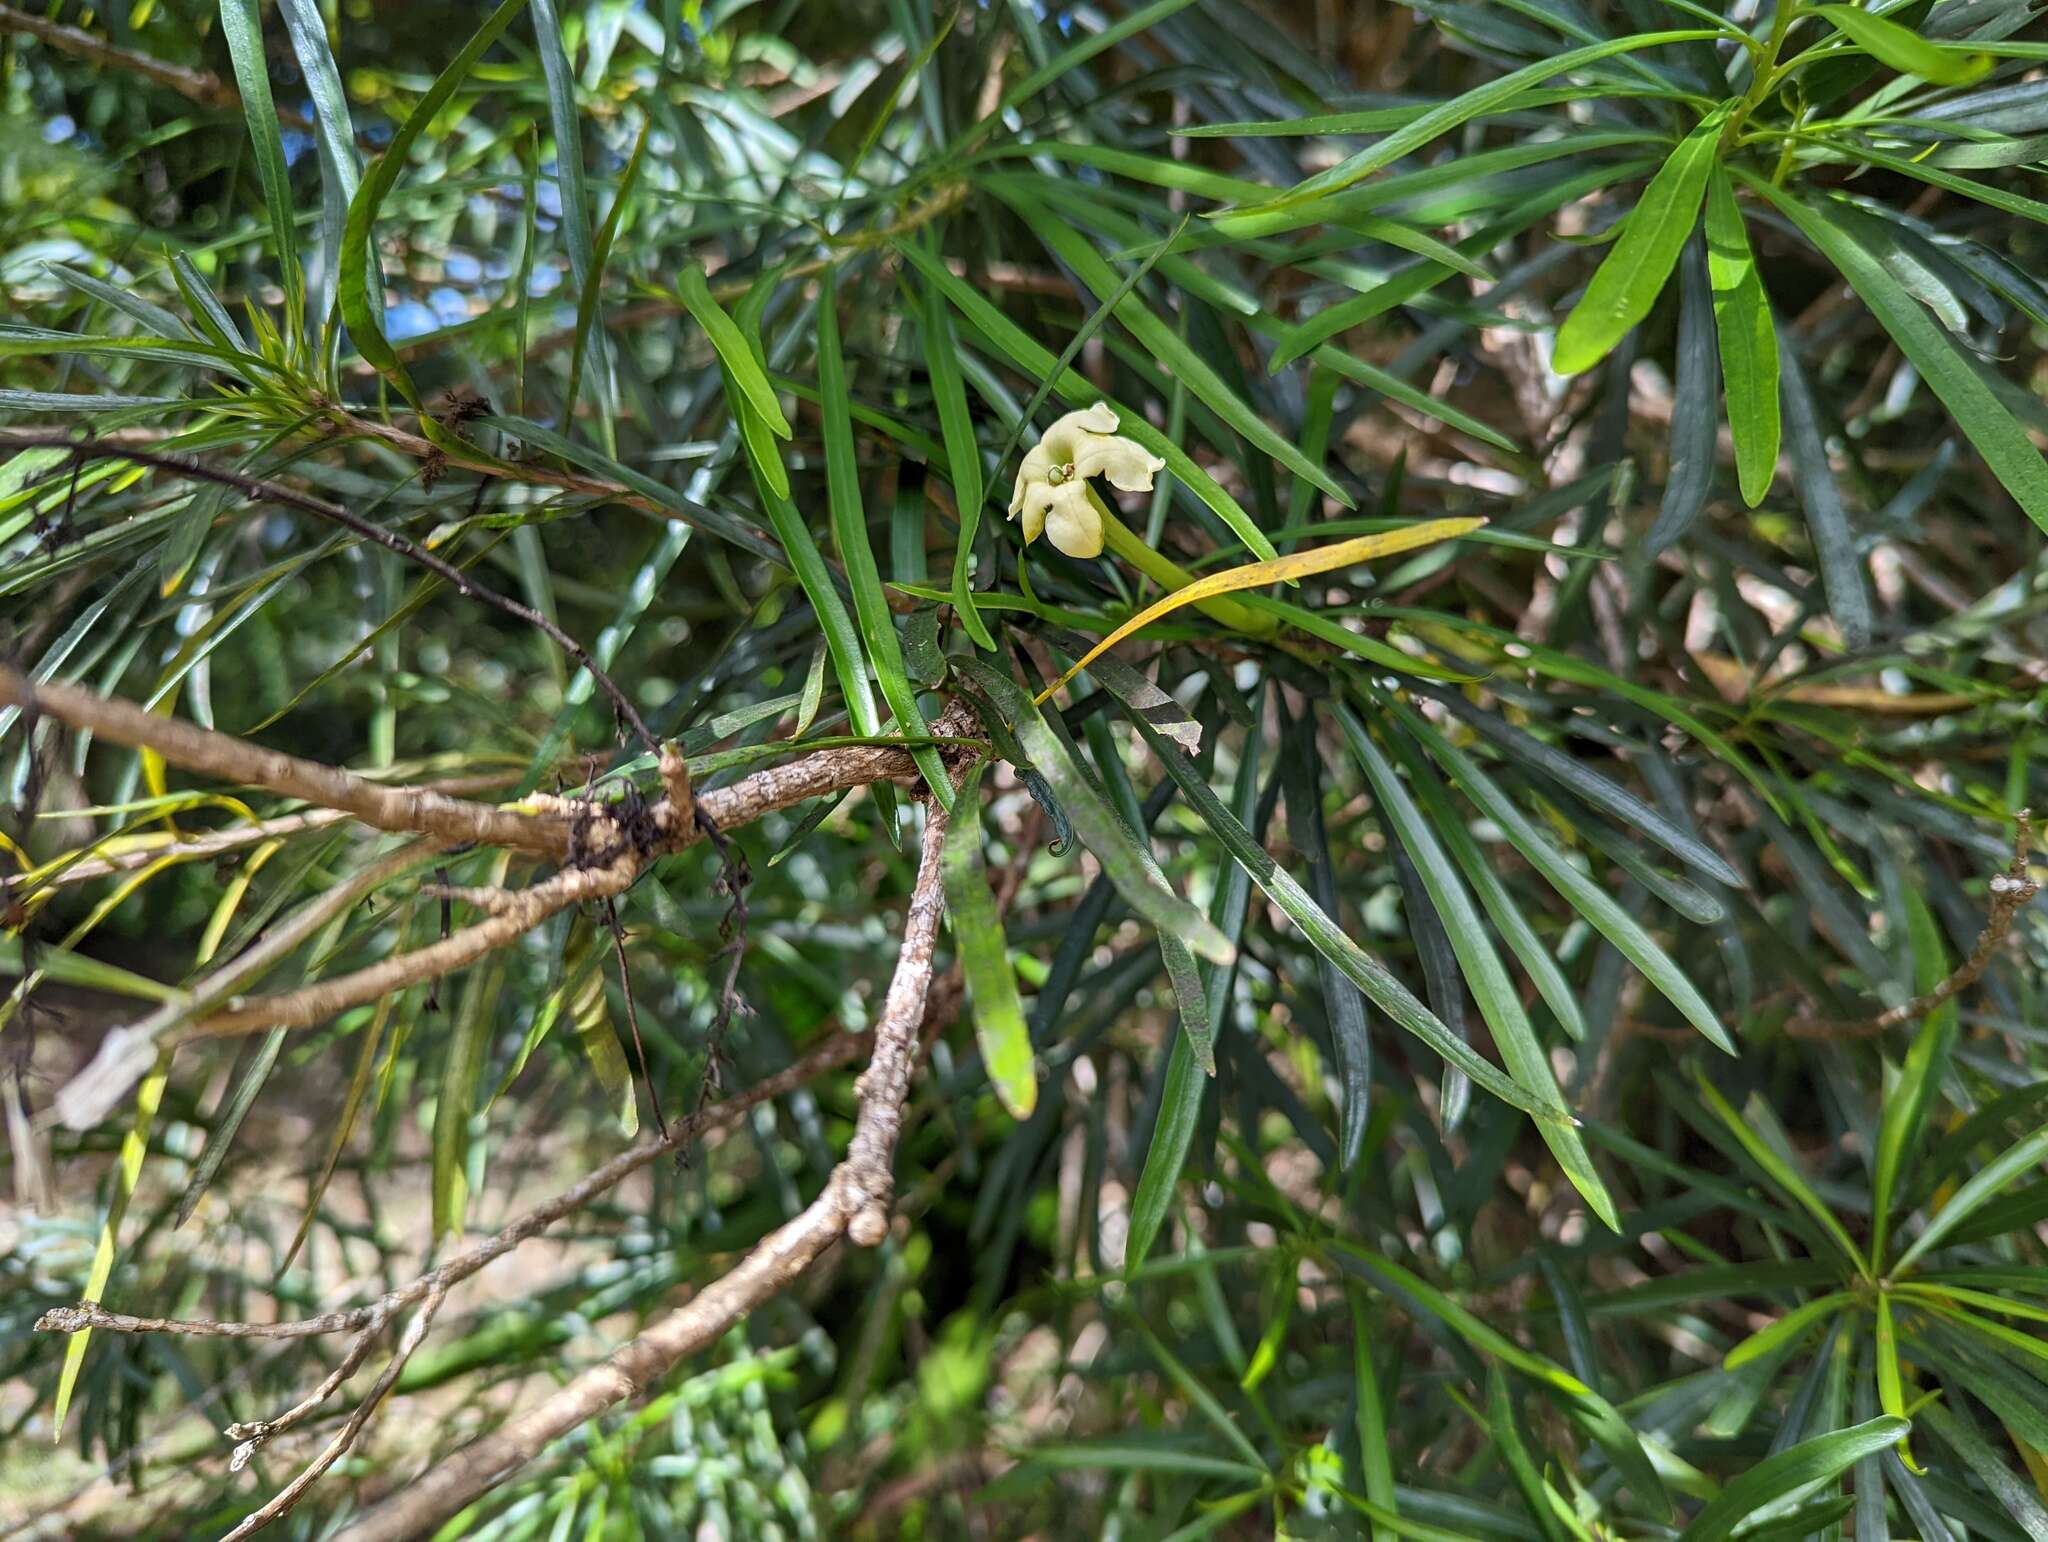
219, 843
285, 1499
827, 1055
201, 86
323, 999
938, 1008
192, 748
853, 1205
429, 811
2011, 891
127, 1052
604, 849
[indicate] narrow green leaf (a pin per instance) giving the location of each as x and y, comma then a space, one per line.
1781, 1173
1904, 50
1488, 1341
1633, 274
1301, 773
1180, 1103
1603, 792
1820, 498
593, 287
1810, 1462
1507, 914
1417, 279
334, 131
1891, 1391
241, 25
1487, 979
1991, 427
1180, 1110
725, 526
884, 647
999, 1027
1769, 1340
590, 1013
209, 314
152, 318
221, 1138
149, 1097
1375, 1450
331, 120
1080, 52
1128, 1455
362, 310
342, 1123
1993, 1470
963, 454
1381, 120
1908, 1103
1695, 407
733, 348
1749, 342
1982, 191
1201, 1399
1477, 102
566, 119
1537, 1495
1094, 821
1328, 938
462, 1067
1980, 1188
1585, 896
64, 967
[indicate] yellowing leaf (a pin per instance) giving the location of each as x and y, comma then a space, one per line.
133, 1147
1256, 575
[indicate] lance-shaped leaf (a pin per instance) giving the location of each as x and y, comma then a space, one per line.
1997, 434
1810, 1462
1093, 819
999, 1027
1256, 575
1749, 342
1905, 50
1328, 938
1695, 420
1587, 897
884, 647
1441, 119
361, 310
1480, 964
1635, 270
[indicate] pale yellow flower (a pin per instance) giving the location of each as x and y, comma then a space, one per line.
1052, 484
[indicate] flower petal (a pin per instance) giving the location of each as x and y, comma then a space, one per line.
1128, 465
1071, 521
1038, 464
1070, 435
1036, 502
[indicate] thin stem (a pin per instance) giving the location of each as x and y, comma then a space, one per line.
1765, 73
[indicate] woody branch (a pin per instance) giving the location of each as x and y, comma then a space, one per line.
602, 849
853, 1206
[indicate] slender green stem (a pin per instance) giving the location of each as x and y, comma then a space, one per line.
1764, 72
